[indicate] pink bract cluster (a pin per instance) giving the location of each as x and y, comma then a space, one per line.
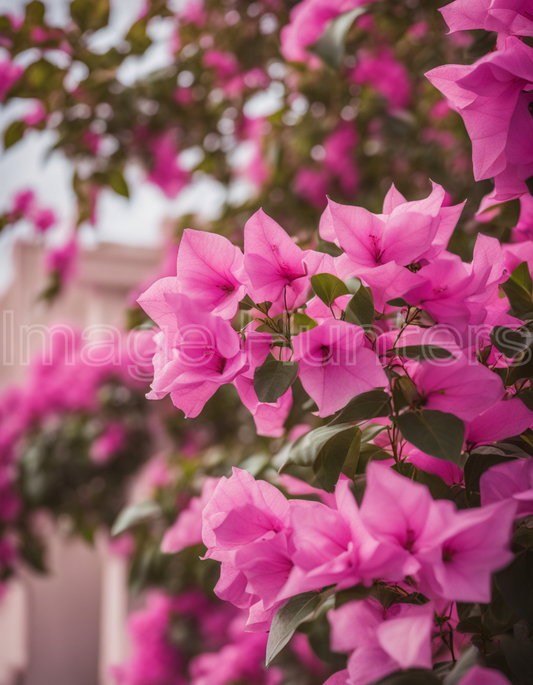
494, 94
189, 639
424, 342
65, 380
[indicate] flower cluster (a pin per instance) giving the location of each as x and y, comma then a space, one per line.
70, 437
494, 94
189, 639
417, 359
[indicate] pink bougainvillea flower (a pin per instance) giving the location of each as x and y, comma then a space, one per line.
463, 548
43, 218
308, 21
339, 147
333, 545
242, 510
506, 418
396, 510
336, 364
509, 17
268, 417
112, 440
377, 246
524, 228
62, 260
274, 264
166, 171
456, 293
246, 526
493, 96
197, 352
211, 270
381, 641
385, 74
9, 73
187, 529
463, 387
371, 240
510, 480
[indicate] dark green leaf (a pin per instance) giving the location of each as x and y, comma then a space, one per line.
404, 393
518, 652
303, 322
328, 287
434, 432
367, 405
470, 625
331, 44
352, 594
516, 585
274, 378
479, 461
398, 302
91, 15
522, 366
35, 13
413, 676
360, 309
421, 352
370, 453
118, 183
305, 450
508, 342
14, 133
436, 486
287, 618
518, 289
339, 454
134, 514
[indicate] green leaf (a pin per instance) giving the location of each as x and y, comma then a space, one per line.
90, 15
328, 287
434, 432
404, 393
305, 450
508, 342
274, 378
118, 183
303, 322
14, 133
331, 44
470, 625
421, 352
436, 486
518, 652
413, 676
133, 514
339, 455
398, 302
360, 309
370, 453
367, 405
522, 366
352, 594
479, 461
34, 13
516, 585
287, 618
518, 289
